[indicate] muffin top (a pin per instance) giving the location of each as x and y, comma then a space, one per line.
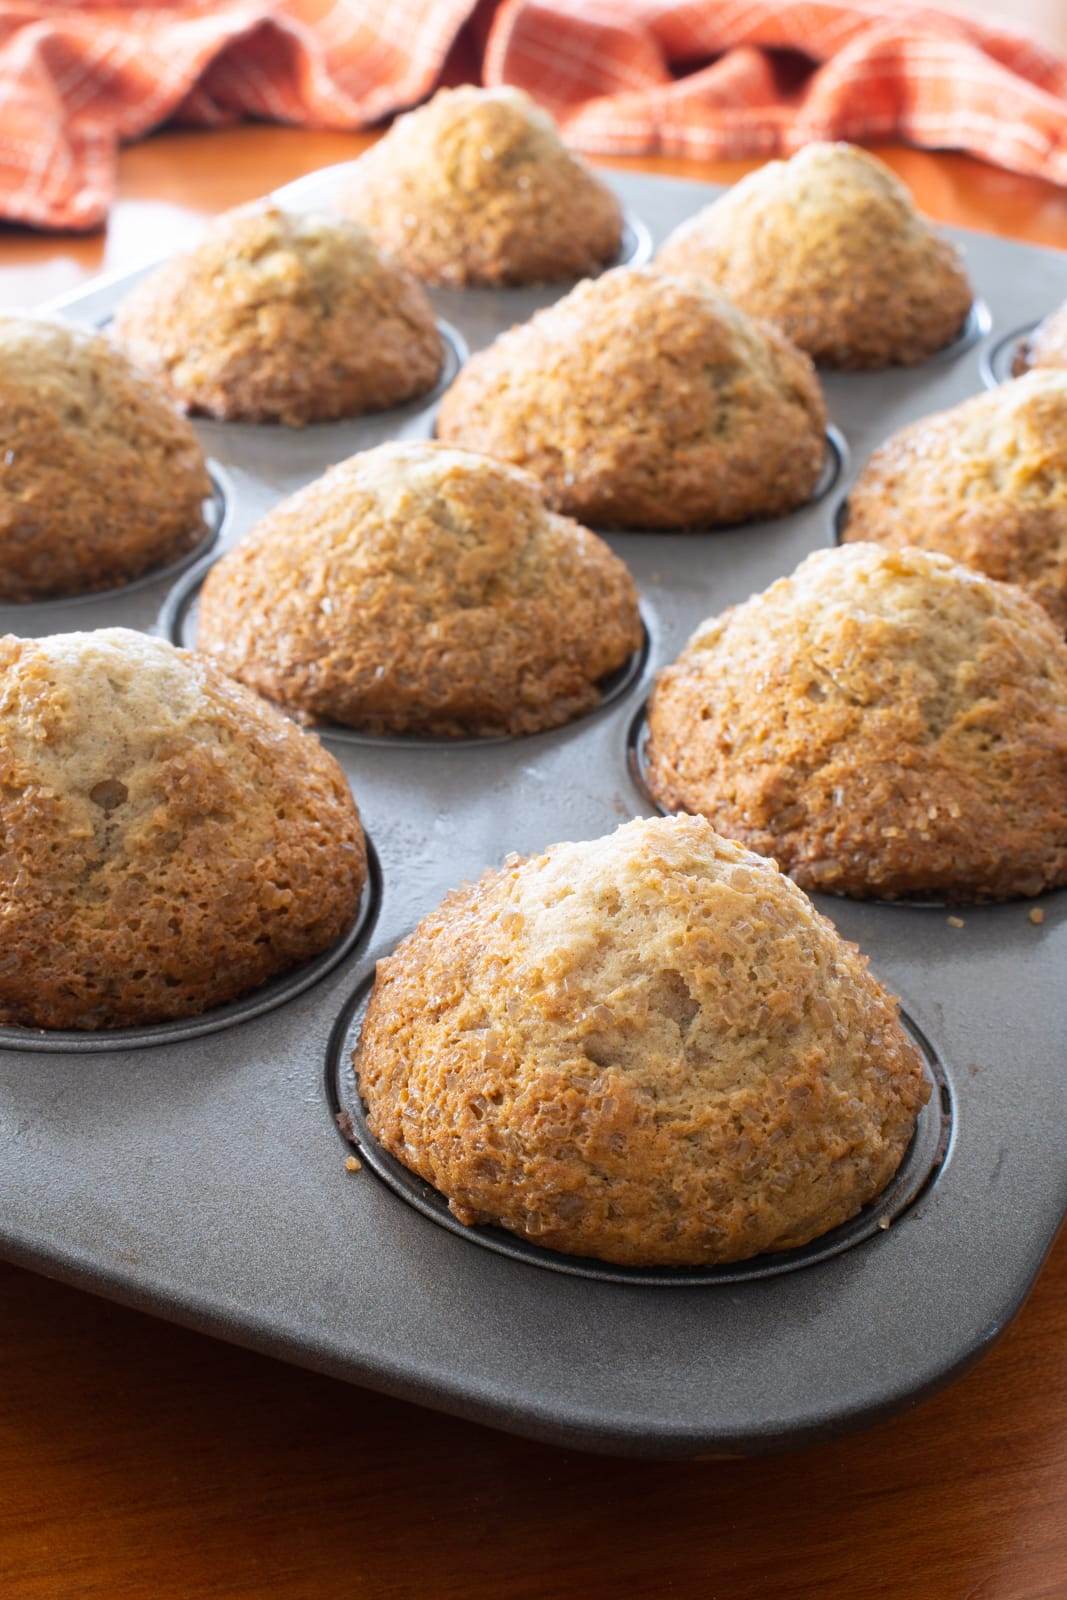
647, 401
985, 482
100, 478
283, 317
171, 841
648, 1048
883, 722
829, 246
417, 588
1047, 345
477, 188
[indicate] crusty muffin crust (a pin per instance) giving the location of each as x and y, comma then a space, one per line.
477, 188
649, 1048
170, 842
100, 478
985, 482
883, 722
280, 317
417, 588
830, 247
1046, 346
647, 401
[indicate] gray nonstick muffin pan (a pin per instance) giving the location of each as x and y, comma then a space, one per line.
198, 1170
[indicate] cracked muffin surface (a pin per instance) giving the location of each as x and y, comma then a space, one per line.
170, 842
648, 1048
1046, 346
829, 246
418, 588
882, 722
985, 482
476, 187
643, 400
101, 479
284, 317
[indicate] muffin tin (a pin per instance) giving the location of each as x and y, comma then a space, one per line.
199, 1171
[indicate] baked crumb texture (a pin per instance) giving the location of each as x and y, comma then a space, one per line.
642, 400
170, 841
985, 482
829, 246
649, 1048
283, 317
100, 478
421, 589
1046, 346
477, 188
883, 723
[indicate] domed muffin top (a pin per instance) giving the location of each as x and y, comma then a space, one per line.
423, 589
883, 723
830, 247
648, 1047
171, 840
278, 316
477, 187
647, 401
100, 478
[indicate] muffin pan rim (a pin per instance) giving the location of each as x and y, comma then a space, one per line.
997, 358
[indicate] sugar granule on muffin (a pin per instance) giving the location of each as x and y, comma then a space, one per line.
985, 482
829, 246
421, 589
642, 400
883, 722
476, 187
649, 1048
172, 842
101, 479
283, 317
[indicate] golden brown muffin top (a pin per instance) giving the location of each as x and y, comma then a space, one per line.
648, 1047
100, 478
985, 482
477, 187
1047, 345
283, 316
647, 401
882, 722
421, 588
830, 247
171, 841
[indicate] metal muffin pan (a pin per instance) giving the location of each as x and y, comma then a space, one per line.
204, 1179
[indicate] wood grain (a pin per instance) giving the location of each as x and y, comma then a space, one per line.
141, 1462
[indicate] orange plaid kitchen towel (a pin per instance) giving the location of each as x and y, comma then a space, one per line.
688, 77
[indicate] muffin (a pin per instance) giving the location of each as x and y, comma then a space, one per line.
647, 401
100, 478
830, 247
883, 722
477, 188
419, 589
1046, 346
283, 318
170, 841
649, 1048
985, 482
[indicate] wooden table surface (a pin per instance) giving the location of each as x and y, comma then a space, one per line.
142, 1462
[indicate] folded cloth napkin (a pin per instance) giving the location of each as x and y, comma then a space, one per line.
684, 77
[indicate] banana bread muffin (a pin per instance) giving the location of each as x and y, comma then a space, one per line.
830, 247
985, 482
477, 188
283, 318
421, 589
1046, 346
170, 841
647, 401
649, 1048
100, 478
883, 722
